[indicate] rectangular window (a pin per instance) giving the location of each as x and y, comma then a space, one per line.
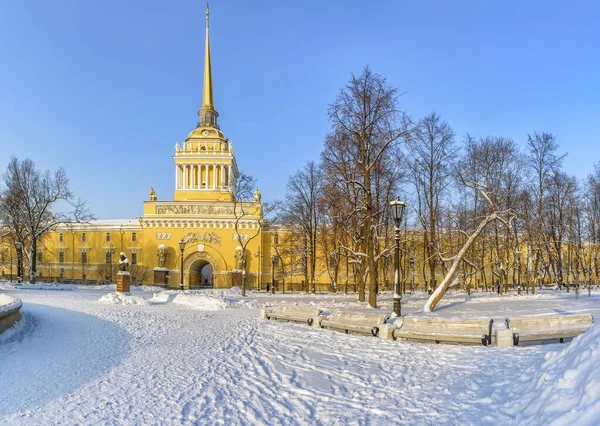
108, 256
61, 238
83, 238
84, 256
276, 239
61, 257
3, 256
107, 237
133, 258
40, 256
275, 261
133, 237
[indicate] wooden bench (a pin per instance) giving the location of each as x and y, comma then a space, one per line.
549, 327
452, 330
358, 322
291, 313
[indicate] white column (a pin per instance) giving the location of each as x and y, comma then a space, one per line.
187, 176
214, 176
205, 176
176, 176
229, 176
195, 176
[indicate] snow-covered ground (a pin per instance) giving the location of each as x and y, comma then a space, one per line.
206, 358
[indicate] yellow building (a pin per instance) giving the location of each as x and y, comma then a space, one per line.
203, 213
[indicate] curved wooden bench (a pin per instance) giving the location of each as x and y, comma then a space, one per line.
291, 313
358, 322
549, 327
452, 330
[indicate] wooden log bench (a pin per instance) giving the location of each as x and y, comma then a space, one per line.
291, 313
549, 327
448, 330
356, 322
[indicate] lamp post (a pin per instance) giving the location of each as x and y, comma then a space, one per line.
412, 271
111, 251
397, 207
182, 247
518, 256
19, 246
273, 274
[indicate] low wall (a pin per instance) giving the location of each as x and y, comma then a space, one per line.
10, 312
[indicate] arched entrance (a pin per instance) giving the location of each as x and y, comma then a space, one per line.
201, 274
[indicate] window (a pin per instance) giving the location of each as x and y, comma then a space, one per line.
275, 261
108, 256
276, 239
83, 238
133, 258
84, 256
3, 260
61, 238
133, 237
40, 256
61, 257
107, 238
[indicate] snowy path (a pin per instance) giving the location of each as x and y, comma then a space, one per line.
78, 361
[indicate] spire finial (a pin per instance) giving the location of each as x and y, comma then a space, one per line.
207, 14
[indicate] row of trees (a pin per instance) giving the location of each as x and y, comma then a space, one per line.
485, 211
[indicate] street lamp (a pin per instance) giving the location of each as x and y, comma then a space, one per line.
412, 270
111, 251
273, 274
182, 244
518, 256
397, 207
19, 246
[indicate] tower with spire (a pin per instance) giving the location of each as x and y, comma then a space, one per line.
205, 166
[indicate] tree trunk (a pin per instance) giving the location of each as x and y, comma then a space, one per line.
439, 292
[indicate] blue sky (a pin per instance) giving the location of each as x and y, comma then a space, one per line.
106, 89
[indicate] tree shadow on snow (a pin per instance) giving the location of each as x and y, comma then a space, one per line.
55, 352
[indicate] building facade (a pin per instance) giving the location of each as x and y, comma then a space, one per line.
204, 233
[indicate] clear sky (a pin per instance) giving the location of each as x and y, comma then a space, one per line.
107, 88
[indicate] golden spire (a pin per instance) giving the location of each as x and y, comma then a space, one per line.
208, 115
207, 95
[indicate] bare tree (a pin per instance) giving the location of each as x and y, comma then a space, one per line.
302, 214
543, 161
31, 200
250, 216
431, 152
366, 126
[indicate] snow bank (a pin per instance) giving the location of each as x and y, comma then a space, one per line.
9, 303
122, 299
566, 389
201, 302
206, 300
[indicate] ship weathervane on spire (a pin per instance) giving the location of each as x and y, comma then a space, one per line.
207, 14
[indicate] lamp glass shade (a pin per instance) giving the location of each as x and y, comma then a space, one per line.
397, 207
19, 244
182, 245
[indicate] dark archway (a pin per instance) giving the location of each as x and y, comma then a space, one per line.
201, 274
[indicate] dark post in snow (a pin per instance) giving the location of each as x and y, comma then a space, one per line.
397, 207
19, 246
182, 247
273, 274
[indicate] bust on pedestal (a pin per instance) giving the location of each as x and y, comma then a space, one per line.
123, 277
